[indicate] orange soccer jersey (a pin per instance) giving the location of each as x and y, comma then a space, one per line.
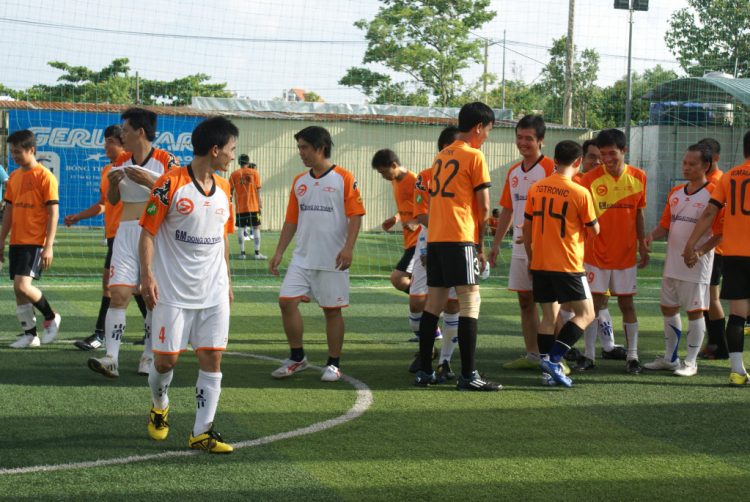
714, 177
456, 174
29, 193
403, 192
577, 177
112, 213
616, 202
558, 210
245, 183
493, 225
733, 194
421, 195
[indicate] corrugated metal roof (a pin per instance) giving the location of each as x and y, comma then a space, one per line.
102, 108
702, 90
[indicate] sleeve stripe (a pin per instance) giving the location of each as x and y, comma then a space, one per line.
482, 186
528, 216
52, 202
592, 223
716, 203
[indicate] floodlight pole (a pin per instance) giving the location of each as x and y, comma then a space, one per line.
568, 91
503, 103
486, 55
629, 94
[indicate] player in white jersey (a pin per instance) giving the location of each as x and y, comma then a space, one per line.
325, 211
184, 252
684, 286
130, 181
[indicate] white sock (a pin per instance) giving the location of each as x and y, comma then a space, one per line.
414, 318
566, 316
159, 384
450, 336
533, 357
604, 330
737, 365
589, 338
207, 392
256, 238
631, 339
672, 334
241, 238
25, 315
114, 328
147, 352
696, 331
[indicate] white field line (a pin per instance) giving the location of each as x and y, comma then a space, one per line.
361, 404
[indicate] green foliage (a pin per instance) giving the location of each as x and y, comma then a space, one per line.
312, 97
381, 90
711, 35
613, 98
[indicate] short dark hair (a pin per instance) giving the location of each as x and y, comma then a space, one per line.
612, 137
566, 152
214, 131
384, 158
113, 131
317, 137
587, 144
495, 211
707, 155
23, 138
535, 122
138, 118
712, 144
474, 113
447, 136
252, 165
746, 145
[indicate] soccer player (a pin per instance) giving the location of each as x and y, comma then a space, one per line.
130, 181
325, 211
732, 195
31, 212
716, 348
558, 211
530, 132
684, 286
184, 252
493, 221
112, 149
245, 184
619, 194
459, 210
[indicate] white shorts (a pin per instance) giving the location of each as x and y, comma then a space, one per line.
125, 267
518, 278
619, 282
330, 289
691, 296
173, 327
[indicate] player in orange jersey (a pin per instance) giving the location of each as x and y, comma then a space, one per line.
558, 212
459, 210
245, 183
30, 216
530, 132
493, 221
733, 195
619, 194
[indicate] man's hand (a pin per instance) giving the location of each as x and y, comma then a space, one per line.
114, 177
648, 240
388, 224
150, 291
519, 239
139, 176
2, 252
482, 259
231, 296
273, 265
71, 219
528, 270
494, 253
344, 259
691, 256
644, 251
411, 225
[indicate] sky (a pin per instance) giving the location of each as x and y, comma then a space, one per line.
261, 47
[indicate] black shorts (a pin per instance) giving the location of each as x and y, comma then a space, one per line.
452, 264
247, 220
108, 259
25, 260
735, 283
405, 261
716, 271
560, 287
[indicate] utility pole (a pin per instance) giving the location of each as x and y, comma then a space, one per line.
137, 89
486, 55
568, 92
629, 97
503, 103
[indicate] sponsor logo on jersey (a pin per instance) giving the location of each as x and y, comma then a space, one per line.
674, 202
419, 185
419, 198
359, 200
514, 181
329, 189
315, 207
184, 206
618, 205
355, 185
301, 190
601, 190
183, 236
206, 204
677, 217
699, 205
220, 211
162, 193
316, 184
151, 209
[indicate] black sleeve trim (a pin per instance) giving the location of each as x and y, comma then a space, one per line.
482, 186
528, 216
8, 201
592, 223
716, 203
52, 202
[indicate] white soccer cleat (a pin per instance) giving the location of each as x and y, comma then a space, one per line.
248, 238
106, 365
25, 340
50, 329
242, 256
290, 367
331, 374
663, 363
104, 243
261, 257
145, 365
687, 369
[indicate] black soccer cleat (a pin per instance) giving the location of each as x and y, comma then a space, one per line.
573, 355
617, 353
93, 342
584, 365
445, 370
477, 383
415, 365
634, 367
423, 379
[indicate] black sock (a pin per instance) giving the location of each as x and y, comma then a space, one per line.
569, 335
44, 308
31, 331
257, 252
141, 305
334, 361
427, 326
718, 326
735, 333
297, 354
467, 344
102, 313
710, 329
545, 343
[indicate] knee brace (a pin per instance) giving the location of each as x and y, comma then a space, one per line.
25, 315
469, 304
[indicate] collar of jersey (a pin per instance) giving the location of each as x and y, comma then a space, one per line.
198, 186
701, 188
145, 161
318, 177
532, 166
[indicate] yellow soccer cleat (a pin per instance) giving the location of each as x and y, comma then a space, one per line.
157, 423
565, 366
521, 364
737, 380
209, 441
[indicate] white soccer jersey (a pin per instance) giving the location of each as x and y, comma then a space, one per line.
321, 208
190, 227
680, 216
157, 162
515, 192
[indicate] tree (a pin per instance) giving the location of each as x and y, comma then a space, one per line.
381, 90
711, 35
312, 97
426, 39
613, 98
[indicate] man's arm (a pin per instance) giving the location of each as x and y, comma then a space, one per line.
93, 211
113, 192
701, 227
7, 222
346, 255
390, 222
503, 224
53, 210
229, 273
150, 289
140, 176
287, 234
423, 219
640, 231
658, 233
483, 209
260, 202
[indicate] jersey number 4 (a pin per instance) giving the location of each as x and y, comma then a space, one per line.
552, 214
436, 182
